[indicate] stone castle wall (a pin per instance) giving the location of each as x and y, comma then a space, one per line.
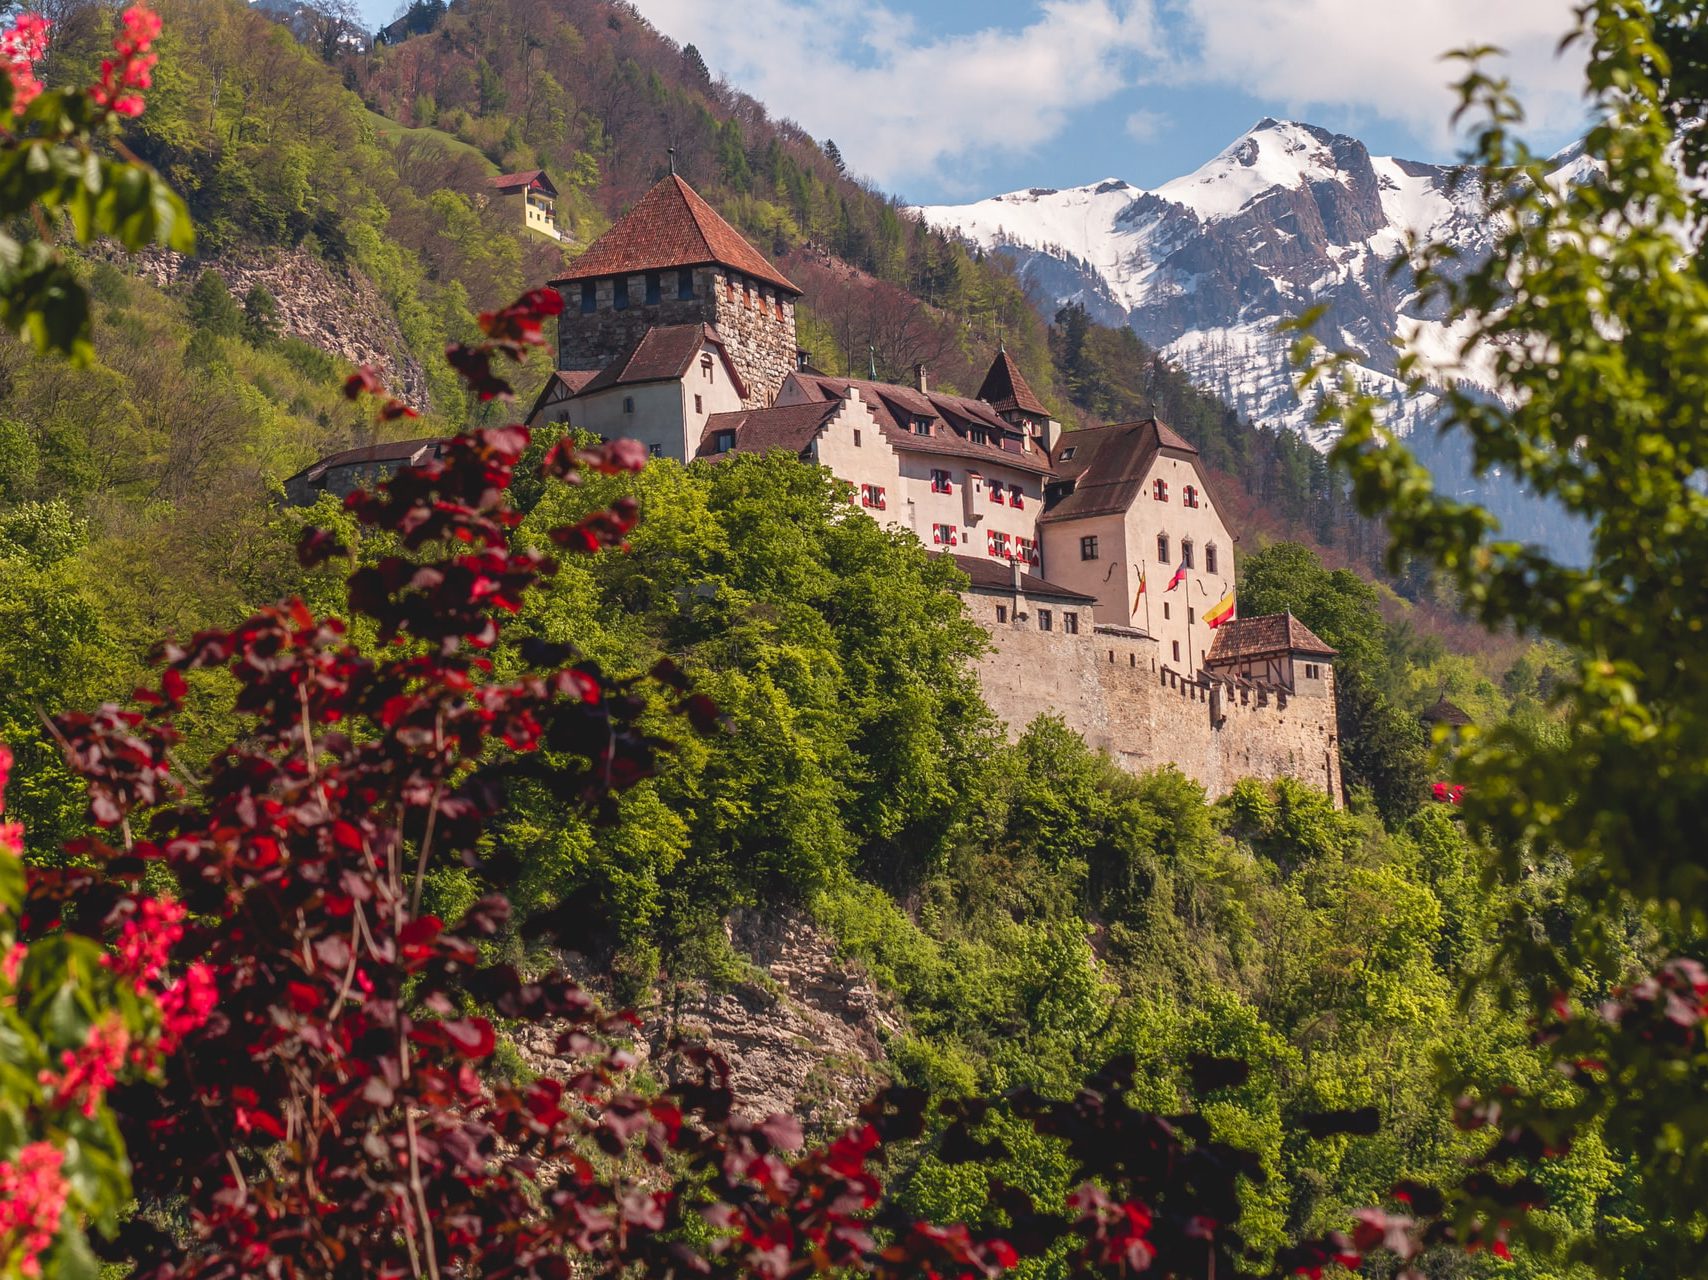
757, 324
1113, 690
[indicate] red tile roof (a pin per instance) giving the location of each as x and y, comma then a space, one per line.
1106, 466
522, 181
789, 426
995, 575
399, 452
1005, 388
663, 353
951, 417
671, 226
1264, 637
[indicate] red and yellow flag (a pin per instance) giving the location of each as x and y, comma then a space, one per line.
1223, 612
1139, 595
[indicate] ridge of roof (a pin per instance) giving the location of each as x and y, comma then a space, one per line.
1108, 464
672, 226
1005, 387
782, 426
662, 354
386, 451
1265, 635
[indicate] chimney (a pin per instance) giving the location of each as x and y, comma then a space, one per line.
1052, 435
921, 381
1014, 573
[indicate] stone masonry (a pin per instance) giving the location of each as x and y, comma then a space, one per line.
1111, 688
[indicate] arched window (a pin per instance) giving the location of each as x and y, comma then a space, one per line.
1189, 496
1162, 548
1159, 490
1186, 554
1210, 559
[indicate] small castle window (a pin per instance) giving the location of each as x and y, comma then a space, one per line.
1017, 496
1210, 558
856, 437
1045, 621
940, 482
589, 297
996, 494
654, 289
685, 286
1177, 651
655, 451
698, 406
723, 442
1067, 453
1002, 613
1191, 615
1159, 490
1088, 548
628, 404
729, 283
978, 435
706, 365
1070, 623
1186, 554
780, 314
620, 293
1165, 611
1162, 548
1189, 496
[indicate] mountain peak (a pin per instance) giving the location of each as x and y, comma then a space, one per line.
1273, 153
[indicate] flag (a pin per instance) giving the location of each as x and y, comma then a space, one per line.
1177, 579
1223, 612
1139, 595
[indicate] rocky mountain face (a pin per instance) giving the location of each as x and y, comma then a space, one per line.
1205, 268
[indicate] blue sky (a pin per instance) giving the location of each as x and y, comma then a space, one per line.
952, 100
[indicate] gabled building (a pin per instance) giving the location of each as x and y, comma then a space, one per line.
1275, 650
1130, 519
535, 198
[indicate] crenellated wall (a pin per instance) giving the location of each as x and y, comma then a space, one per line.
1114, 691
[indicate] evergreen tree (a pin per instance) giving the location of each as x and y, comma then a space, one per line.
833, 153
211, 308
260, 315
695, 65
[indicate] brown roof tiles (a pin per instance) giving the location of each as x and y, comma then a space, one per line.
1266, 636
790, 426
1005, 388
995, 575
663, 353
671, 226
522, 181
1106, 466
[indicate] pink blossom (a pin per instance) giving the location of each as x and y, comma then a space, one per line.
146, 940
12, 838
32, 1198
22, 45
5, 751
133, 67
88, 1073
186, 1005
12, 963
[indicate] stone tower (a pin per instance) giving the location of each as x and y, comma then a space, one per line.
671, 260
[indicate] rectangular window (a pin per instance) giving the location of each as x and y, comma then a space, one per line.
922, 426
1191, 615
589, 297
1177, 651
655, 451
698, 407
940, 482
996, 493
1017, 496
724, 442
978, 435
685, 286
856, 437
1002, 613
706, 365
1159, 490
620, 293
1070, 623
1210, 559
1162, 548
1189, 496
729, 282
1186, 554
945, 535
780, 314
654, 289
628, 404
1045, 621
1088, 548
1165, 611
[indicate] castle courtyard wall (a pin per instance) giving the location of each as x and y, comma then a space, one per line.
1115, 692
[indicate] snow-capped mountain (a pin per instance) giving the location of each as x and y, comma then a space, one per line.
1287, 218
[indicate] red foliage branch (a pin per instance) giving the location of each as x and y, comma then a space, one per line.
333, 1115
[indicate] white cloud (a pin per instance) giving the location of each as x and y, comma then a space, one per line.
902, 104
1378, 58
907, 105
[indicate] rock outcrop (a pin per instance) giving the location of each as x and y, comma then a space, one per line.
804, 1034
337, 309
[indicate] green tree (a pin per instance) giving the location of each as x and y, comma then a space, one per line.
211, 308
260, 315
1590, 309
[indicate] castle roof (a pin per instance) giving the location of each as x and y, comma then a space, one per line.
785, 426
895, 408
1268, 636
1105, 467
1005, 388
664, 353
995, 575
508, 182
1445, 712
564, 384
671, 226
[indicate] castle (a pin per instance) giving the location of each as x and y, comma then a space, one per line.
1098, 560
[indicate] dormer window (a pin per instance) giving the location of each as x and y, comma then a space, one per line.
978, 435
1159, 490
922, 426
1067, 453
723, 442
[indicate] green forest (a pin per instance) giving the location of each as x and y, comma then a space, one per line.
1026, 908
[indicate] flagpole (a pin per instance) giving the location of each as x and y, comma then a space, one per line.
1145, 582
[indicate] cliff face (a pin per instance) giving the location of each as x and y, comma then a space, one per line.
338, 310
804, 1034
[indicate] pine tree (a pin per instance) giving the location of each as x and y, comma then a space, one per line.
260, 315
695, 63
211, 307
833, 153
